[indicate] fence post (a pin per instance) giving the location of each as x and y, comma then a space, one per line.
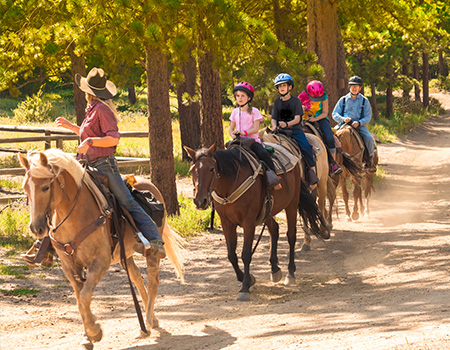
59, 143
48, 144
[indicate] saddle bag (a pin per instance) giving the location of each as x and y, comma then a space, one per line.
150, 204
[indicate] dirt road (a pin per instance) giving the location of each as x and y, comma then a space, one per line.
380, 283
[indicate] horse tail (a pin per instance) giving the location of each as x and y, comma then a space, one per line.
311, 215
173, 243
351, 166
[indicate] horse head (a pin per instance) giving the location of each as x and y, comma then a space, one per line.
38, 184
203, 170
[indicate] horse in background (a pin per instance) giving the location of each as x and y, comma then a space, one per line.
59, 198
354, 149
239, 195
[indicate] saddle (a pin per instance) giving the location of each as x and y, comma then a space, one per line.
355, 133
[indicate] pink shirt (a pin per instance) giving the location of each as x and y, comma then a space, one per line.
99, 122
245, 121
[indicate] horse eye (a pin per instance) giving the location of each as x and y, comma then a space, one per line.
211, 170
45, 188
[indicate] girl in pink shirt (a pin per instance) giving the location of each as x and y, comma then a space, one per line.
245, 122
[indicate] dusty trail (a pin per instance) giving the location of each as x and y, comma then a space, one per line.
380, 283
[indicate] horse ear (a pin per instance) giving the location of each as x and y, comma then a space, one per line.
190, 152
43, 159
23, 160
212, 150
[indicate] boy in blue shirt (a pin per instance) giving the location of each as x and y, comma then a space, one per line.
355, 108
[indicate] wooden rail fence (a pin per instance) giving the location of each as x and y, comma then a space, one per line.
59, 136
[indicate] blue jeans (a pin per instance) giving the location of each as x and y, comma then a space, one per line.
368, 139
327, 134
144, 223
305, 147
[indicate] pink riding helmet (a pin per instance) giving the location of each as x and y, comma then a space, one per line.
306, 101
246, 87
315, 90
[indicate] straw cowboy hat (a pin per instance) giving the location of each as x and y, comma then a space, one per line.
96, 84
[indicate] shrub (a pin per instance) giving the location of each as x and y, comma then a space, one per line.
34, 110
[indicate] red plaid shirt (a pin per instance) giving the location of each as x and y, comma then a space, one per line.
99, 122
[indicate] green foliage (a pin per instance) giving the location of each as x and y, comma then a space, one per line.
34, 110
441, 83
10, 184
191, 220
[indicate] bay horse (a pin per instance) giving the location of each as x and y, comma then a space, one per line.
355, 150
57, 194
220, 173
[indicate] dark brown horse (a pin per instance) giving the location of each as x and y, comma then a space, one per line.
57, 194
220, 173
354, 169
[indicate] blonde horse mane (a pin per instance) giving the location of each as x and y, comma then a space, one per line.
56, 158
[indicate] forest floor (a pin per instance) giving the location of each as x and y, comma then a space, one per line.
382, 282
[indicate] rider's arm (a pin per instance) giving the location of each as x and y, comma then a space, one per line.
337, 116
231, 129
367, 116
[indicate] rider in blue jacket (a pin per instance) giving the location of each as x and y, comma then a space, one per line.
354, 108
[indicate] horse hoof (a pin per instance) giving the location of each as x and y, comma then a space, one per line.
243, 296
348, 218
305, 248
155, 323
86, 344
97, 337
355, 216
252, 280
276, 277
143, 335
289, 280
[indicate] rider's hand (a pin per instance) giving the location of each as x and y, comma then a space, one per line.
63, 122
355, 124
347, 120
83, 147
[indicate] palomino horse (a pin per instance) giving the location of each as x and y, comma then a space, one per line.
352, 147
57, 194
222, 173
325, 187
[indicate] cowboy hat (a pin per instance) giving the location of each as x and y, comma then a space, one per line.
96, 84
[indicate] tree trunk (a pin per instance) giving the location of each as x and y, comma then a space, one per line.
442, 67
283, 29
162, 169
405, 72
389, 95
210, 102
416, 78
324, 39
189, 111
132, 95
373, 102
79, 99
425, 79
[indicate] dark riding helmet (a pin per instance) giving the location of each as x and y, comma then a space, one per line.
283, 78
355, 80
245, 87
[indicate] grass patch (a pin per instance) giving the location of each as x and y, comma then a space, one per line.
191, 220
16, 271
14, 228
20, 291
11, 184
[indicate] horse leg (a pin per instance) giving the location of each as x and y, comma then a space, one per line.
152, 290
249, 235
356, 199
343, 182
291, 215
96, 271
229, 231
306, 245
273, 228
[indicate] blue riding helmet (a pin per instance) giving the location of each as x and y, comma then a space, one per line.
283, 78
